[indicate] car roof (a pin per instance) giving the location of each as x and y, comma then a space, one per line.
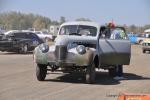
88, 23
17, 31
37, 31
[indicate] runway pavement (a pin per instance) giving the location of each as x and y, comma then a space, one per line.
18, 80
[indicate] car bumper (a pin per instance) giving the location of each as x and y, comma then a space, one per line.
146, 47
61, 63
71, 59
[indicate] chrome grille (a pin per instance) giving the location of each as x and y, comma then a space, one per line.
60, 52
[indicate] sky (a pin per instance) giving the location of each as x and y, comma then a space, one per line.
122, 12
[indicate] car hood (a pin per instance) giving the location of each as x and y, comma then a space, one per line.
65, 39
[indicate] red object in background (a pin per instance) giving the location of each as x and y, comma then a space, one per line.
111, 24
126, 96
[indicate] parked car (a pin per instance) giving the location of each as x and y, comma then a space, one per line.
140, 38
132, 38
20, 42
146, 43
1, 36
81, 47
136, 38
44, 35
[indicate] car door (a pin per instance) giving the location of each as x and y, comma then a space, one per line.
114, 50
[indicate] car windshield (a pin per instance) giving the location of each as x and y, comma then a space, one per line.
80, 30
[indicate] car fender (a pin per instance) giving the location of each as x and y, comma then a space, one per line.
39, 57
86, 58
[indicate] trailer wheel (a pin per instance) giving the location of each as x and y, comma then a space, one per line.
41, 71
90, 74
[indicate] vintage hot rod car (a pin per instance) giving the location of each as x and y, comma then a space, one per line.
83, 46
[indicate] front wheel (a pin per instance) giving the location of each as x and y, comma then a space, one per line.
41, 71
90, 74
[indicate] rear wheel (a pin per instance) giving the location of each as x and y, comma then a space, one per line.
90, 74
41, 71
144, 51
112, 72
24, 48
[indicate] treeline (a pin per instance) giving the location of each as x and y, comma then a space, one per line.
21, 21
137, 29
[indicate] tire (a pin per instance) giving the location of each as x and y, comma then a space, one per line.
41, 71
144, 51
112, 72
24, 49
90, 74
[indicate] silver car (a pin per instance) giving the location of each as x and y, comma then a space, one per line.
83, 46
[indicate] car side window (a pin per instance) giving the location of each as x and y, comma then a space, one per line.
32, 36
35, 39
105, 32
20, 35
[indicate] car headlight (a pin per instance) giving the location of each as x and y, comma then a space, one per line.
81, 49
44, 48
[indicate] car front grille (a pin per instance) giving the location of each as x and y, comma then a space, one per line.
60, 52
